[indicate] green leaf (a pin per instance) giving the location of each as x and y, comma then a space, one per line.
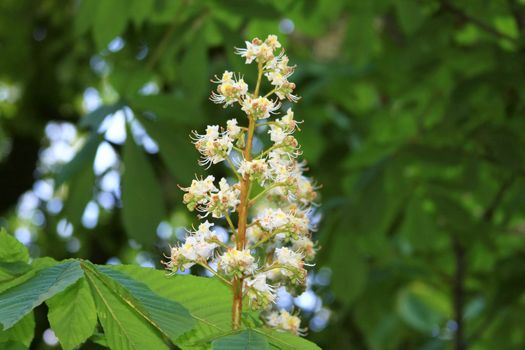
23, 331
139, 10
13, 345
423, 307
254, 10
80, 192
82, 162
127, 79
411, 15
171, 108
209, 302
246, 340
140, 187
124, 327
11, 250
85, 16
168, 316
111, 19
286, 341
207, 299
10, 270
175, 151
37, 265
361, 35
16, 302
11, 281
94, 119
349, 269
72, 314
194, 69
419, 225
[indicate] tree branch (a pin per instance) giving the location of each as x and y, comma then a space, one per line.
448, 7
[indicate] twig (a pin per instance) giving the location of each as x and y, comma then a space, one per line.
447, 6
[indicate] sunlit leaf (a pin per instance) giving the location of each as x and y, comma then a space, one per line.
123, 326
166, 315
11, 250
23, 332
246, 340
72, 314
18, 301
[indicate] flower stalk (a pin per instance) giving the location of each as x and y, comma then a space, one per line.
271, 242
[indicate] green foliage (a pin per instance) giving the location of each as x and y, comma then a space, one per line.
140, 186
137, 308
16, 302
418, 141
20, 335
246, 340
209, 302
11, 250
72, 314
171, 318
123, 327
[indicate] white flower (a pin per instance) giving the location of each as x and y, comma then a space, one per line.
177, 260
197, 248
238, 262
259, 292
285, 321
272, 42
198, 245
204, 233
254, 234
281, 165
277, 134
285, 91
232, 128
226, 199
272, 219
259, 107
208, 199
259, 50
250, 52
304, 191
255, 169
230, 89
288, 122
290, 259
198, 192
213, 146
299, 223
305, 246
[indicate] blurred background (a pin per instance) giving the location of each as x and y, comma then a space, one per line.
413, 123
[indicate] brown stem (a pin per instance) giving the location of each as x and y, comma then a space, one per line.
240, 238
237, 303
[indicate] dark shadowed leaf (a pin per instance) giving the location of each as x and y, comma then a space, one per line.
94, 119
142, 202
110, 21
